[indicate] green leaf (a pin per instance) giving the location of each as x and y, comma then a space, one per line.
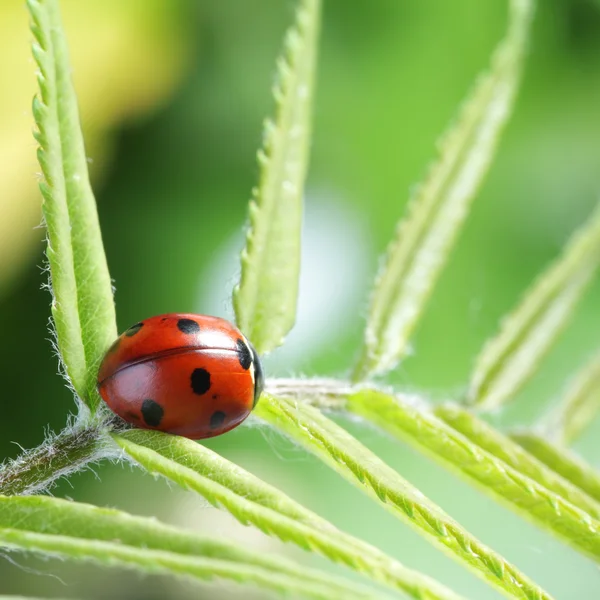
84, 532
252, 501
436, 213
507, 485
82, 305
527, 334
579, 405
265, 299
562, 460
507, 450
337, 448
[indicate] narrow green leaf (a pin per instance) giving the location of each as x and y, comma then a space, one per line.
579, 405
85, 532
336, 447
507, 485
265, 299
158, 561
527, 334
562, 460
252, 501
425, 237
82, 306
507, 450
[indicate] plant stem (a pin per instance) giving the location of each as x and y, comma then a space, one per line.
324, 393
71, 450
75, 447
68, 452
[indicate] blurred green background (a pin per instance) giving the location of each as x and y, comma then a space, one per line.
173, 95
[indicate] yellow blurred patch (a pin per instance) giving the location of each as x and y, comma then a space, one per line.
127, 59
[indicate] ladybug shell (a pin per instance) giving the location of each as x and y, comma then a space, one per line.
191, 375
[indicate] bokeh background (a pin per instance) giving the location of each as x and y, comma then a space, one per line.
173, 94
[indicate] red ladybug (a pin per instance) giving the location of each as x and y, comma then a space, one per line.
186, 374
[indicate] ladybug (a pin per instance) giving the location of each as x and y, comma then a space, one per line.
186, 374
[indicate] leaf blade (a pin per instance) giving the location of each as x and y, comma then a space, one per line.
108, 536
424, 238
564, 461
82, 308
265, 298
578, 406
320, 436
526, 335
507, 450
447, 446
250, 500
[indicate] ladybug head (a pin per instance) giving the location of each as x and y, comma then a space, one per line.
259, 378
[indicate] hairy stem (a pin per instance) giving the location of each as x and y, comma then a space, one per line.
68, 452
71, 450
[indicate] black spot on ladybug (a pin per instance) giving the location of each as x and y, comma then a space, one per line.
217, 419
188, 326
134, 329
259, 377
244, 354
152, 412
200, 381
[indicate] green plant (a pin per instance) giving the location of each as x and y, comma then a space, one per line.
558, 493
